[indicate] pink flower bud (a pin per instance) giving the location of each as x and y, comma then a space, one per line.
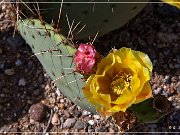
85, 58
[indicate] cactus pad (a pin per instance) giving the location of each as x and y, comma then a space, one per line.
100, 16
56, 55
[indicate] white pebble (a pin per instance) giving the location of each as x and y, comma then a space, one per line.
9, 71
58, 92
55, 119
85, 113
91, 122
170, 98
18, 62
97, 117
62, 100
22, 82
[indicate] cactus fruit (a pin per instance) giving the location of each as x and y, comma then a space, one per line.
93, 17
55, 53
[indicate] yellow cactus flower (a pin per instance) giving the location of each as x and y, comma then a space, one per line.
173, 2
122, 79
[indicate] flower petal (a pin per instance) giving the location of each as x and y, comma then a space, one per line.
128, 59
173, 3
144, 60
86, 89
135, 84
144, 94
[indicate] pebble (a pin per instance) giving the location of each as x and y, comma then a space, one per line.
14, 129
97, 117
79, 125
91, 122
37, 111
9, 71
177, 66
55, 119
58, 92
69, 123
170, 98
157, 91
18, 62
30, 64
36, 92
178, 89
0, 51
22, 82
164, 94
61, 106
167, 79
177, 116
15, 41
85, 113
61, 100
77, 113
66, 113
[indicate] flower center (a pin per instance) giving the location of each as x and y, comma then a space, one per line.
120, 83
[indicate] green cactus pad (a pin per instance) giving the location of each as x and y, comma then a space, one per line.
96, 17
56, 55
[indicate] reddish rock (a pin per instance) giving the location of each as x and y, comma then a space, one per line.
37, 111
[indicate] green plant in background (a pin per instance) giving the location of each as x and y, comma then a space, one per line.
58, 56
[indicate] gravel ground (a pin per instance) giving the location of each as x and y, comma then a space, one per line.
25, 87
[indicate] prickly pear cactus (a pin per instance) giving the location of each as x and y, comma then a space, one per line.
56, 55
98, 16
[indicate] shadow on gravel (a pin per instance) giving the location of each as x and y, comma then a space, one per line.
21, 81
156, 32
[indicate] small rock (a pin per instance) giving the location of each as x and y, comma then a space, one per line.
58, 92
55, 119
177, 66
6, 65
91, 122
85, 113
167, 79
157, 91
15, 129
31, 121
18, 62
97, 117
30, 64
9, 71
171, 90
0, 51
61, 106
174, 79
29, 102
37, 111
22, 82
170, 98
77, 113
36, 92
178, 87
62, 101
164, 94
66, 113
177, 116
79, 125
69, 123
16, 42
